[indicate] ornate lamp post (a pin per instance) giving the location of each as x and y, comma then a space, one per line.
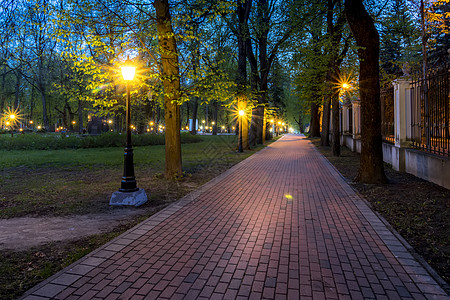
129, 193
128, 183
241, 115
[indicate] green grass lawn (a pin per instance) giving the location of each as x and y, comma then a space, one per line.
64, 182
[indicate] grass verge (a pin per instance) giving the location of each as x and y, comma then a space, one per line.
419, 210
68, 182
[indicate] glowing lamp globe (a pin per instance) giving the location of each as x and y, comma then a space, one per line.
128, 72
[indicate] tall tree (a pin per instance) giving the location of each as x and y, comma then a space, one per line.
171, 82
371, 168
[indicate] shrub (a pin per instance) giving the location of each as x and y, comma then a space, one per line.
109, 139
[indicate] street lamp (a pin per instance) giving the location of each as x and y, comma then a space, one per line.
128, 183
241, 114
129, 193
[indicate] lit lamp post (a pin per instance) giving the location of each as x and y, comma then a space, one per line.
129, 193
128, 183
12, 121
241, 114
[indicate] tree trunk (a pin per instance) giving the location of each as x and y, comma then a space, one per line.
243, 13
371, 168
325, 139
187, 116
80, 117
171, 84
44, 109
2, 94
42, 89
214, 117
336, 144
196, 66
314, 126
194, 115
17, 93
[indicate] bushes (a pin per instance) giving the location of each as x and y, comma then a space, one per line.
110, 139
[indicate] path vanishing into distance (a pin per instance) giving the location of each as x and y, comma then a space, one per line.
282, 224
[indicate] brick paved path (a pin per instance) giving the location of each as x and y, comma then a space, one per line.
281, 224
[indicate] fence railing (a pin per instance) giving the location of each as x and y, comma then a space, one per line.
387, 114
430, 113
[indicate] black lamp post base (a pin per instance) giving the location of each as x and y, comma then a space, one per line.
128, 185
135, 198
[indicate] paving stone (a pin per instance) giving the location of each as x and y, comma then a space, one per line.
281, 224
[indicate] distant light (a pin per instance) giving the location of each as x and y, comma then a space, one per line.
73, 122
241, 112
223, 127
213, 123
271, 121
288, 196
39, 127
31, 121
283, 124
110, 121
345, 85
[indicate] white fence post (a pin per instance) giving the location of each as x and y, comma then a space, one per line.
402, 121
356, 105
402, 112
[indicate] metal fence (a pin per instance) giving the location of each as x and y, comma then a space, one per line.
387, 114
430, 103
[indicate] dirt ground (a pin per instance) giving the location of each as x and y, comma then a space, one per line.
23, 233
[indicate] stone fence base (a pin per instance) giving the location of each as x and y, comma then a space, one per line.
430, 167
